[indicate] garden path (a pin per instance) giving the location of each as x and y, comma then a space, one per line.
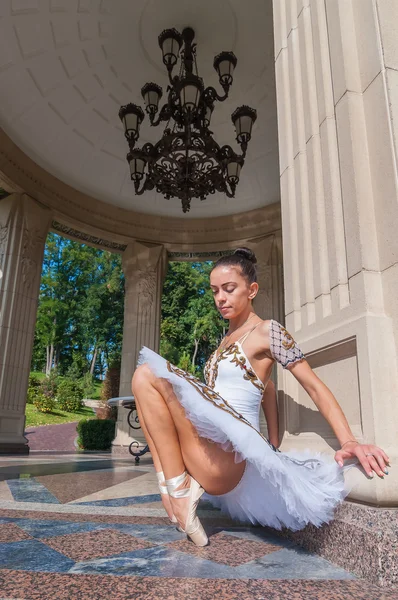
58, 438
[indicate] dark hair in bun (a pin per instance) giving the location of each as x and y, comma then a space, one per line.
245, 259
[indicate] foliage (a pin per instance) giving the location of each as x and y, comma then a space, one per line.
191, 326
87, 385
110, 388
43, 403
69, 395
95, 434
80, 312
97, 386
49, 385
33, 388
35, 418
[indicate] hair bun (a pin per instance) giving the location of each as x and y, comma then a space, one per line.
246, 253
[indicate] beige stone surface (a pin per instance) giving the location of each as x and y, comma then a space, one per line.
387, 15
144, 268
381, 110
144, 485
23, 230
5, 492
339, 220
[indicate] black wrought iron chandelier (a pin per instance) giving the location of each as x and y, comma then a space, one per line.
187, 162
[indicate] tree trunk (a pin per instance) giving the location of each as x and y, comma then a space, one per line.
47, 360
50, 358
56, 357
195, 353
94, 360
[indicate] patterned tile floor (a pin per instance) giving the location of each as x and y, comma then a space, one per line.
93, 527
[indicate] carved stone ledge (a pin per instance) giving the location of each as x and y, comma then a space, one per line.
86, 237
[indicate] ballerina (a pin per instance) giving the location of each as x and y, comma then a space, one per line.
205, 437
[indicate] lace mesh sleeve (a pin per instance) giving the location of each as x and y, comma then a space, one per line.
283, 347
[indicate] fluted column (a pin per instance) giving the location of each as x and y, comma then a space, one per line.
23, 229
268, 303
144, 269
269, 300
337, 97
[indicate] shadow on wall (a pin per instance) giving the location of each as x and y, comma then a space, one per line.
294, 418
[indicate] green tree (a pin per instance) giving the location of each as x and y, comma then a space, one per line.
191, 326
80, 313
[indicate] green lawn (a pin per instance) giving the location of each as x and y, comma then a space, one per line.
35, 418
97, 393
38, 374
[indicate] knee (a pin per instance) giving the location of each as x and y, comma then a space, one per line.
142, 376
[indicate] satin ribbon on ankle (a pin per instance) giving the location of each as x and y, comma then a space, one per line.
174, 483
162, 486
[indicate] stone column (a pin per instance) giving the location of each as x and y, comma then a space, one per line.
269, 300
337, 97
144, 268
268, 303
23, 229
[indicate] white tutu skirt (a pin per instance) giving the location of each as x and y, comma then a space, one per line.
278, 489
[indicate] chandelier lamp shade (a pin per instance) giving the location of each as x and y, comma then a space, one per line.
186, 162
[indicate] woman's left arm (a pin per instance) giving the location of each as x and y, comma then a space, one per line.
372, 458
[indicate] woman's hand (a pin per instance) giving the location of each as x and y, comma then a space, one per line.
372, 458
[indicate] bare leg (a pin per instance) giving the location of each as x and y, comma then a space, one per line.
177, 443
156, 461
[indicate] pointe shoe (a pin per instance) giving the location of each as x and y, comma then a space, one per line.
193, 527
164, 492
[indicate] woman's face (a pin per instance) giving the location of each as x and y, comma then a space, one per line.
231, 291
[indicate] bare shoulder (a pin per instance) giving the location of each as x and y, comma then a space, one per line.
262, 336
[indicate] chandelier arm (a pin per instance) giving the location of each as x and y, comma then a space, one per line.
164, 115
244, 149
230, 194
211, 92
143, 189
172, 80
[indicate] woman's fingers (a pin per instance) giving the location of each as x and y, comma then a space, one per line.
341, 455
375, 466
379, 455
372, 458
378, 458
367, 458
384, 455
364, 460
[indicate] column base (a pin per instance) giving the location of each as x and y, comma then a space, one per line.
13, 448
121, 450
361, 539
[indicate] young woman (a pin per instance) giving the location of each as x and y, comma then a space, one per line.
205, 437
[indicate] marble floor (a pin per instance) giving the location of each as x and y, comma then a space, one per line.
92, 526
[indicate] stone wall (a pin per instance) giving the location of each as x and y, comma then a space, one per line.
337, 85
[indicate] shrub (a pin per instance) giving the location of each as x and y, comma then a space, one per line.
33, 388
110, 388
95, 434
106, 412
69, 396
49, 384
43, 403
87, 385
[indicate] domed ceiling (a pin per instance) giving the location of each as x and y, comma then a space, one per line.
66, 66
